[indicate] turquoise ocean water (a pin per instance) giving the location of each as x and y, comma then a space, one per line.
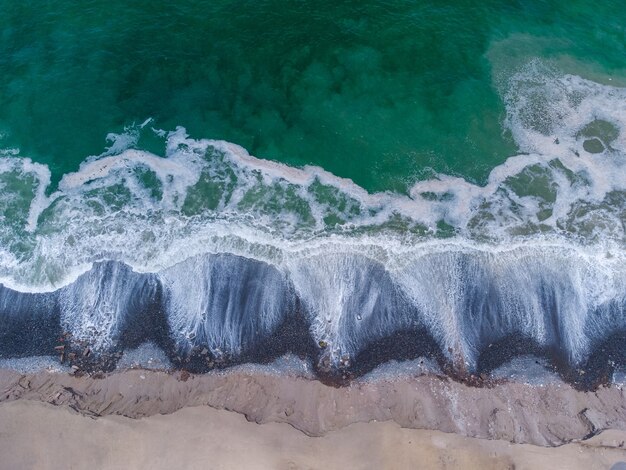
372, 91
315, 133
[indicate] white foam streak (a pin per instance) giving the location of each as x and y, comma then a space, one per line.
223, 302
208, 196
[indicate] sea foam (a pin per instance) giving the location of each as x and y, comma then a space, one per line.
228, 246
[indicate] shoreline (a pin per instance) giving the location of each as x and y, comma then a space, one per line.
369, 326
551, 414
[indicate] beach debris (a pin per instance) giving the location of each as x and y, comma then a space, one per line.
345, 360
324, 363
60, 349
24, 383
204, 352
323, 344
184, 376
219, 355
86, 352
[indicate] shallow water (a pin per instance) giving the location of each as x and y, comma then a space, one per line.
145, 356
456, 170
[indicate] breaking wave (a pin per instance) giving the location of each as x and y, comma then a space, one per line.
227, 246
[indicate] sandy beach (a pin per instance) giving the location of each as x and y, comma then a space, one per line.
247, 419
35, 435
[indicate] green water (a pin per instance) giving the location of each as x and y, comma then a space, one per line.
486, 142
375, 91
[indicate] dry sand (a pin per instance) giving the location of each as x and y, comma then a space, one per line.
151, 419
35, 435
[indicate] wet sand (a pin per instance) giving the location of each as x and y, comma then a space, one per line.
547, 415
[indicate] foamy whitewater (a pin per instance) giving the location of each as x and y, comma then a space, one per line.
228, 247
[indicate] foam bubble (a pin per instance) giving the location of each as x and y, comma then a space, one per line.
33, 364
527, 369
146, 356
400, 370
